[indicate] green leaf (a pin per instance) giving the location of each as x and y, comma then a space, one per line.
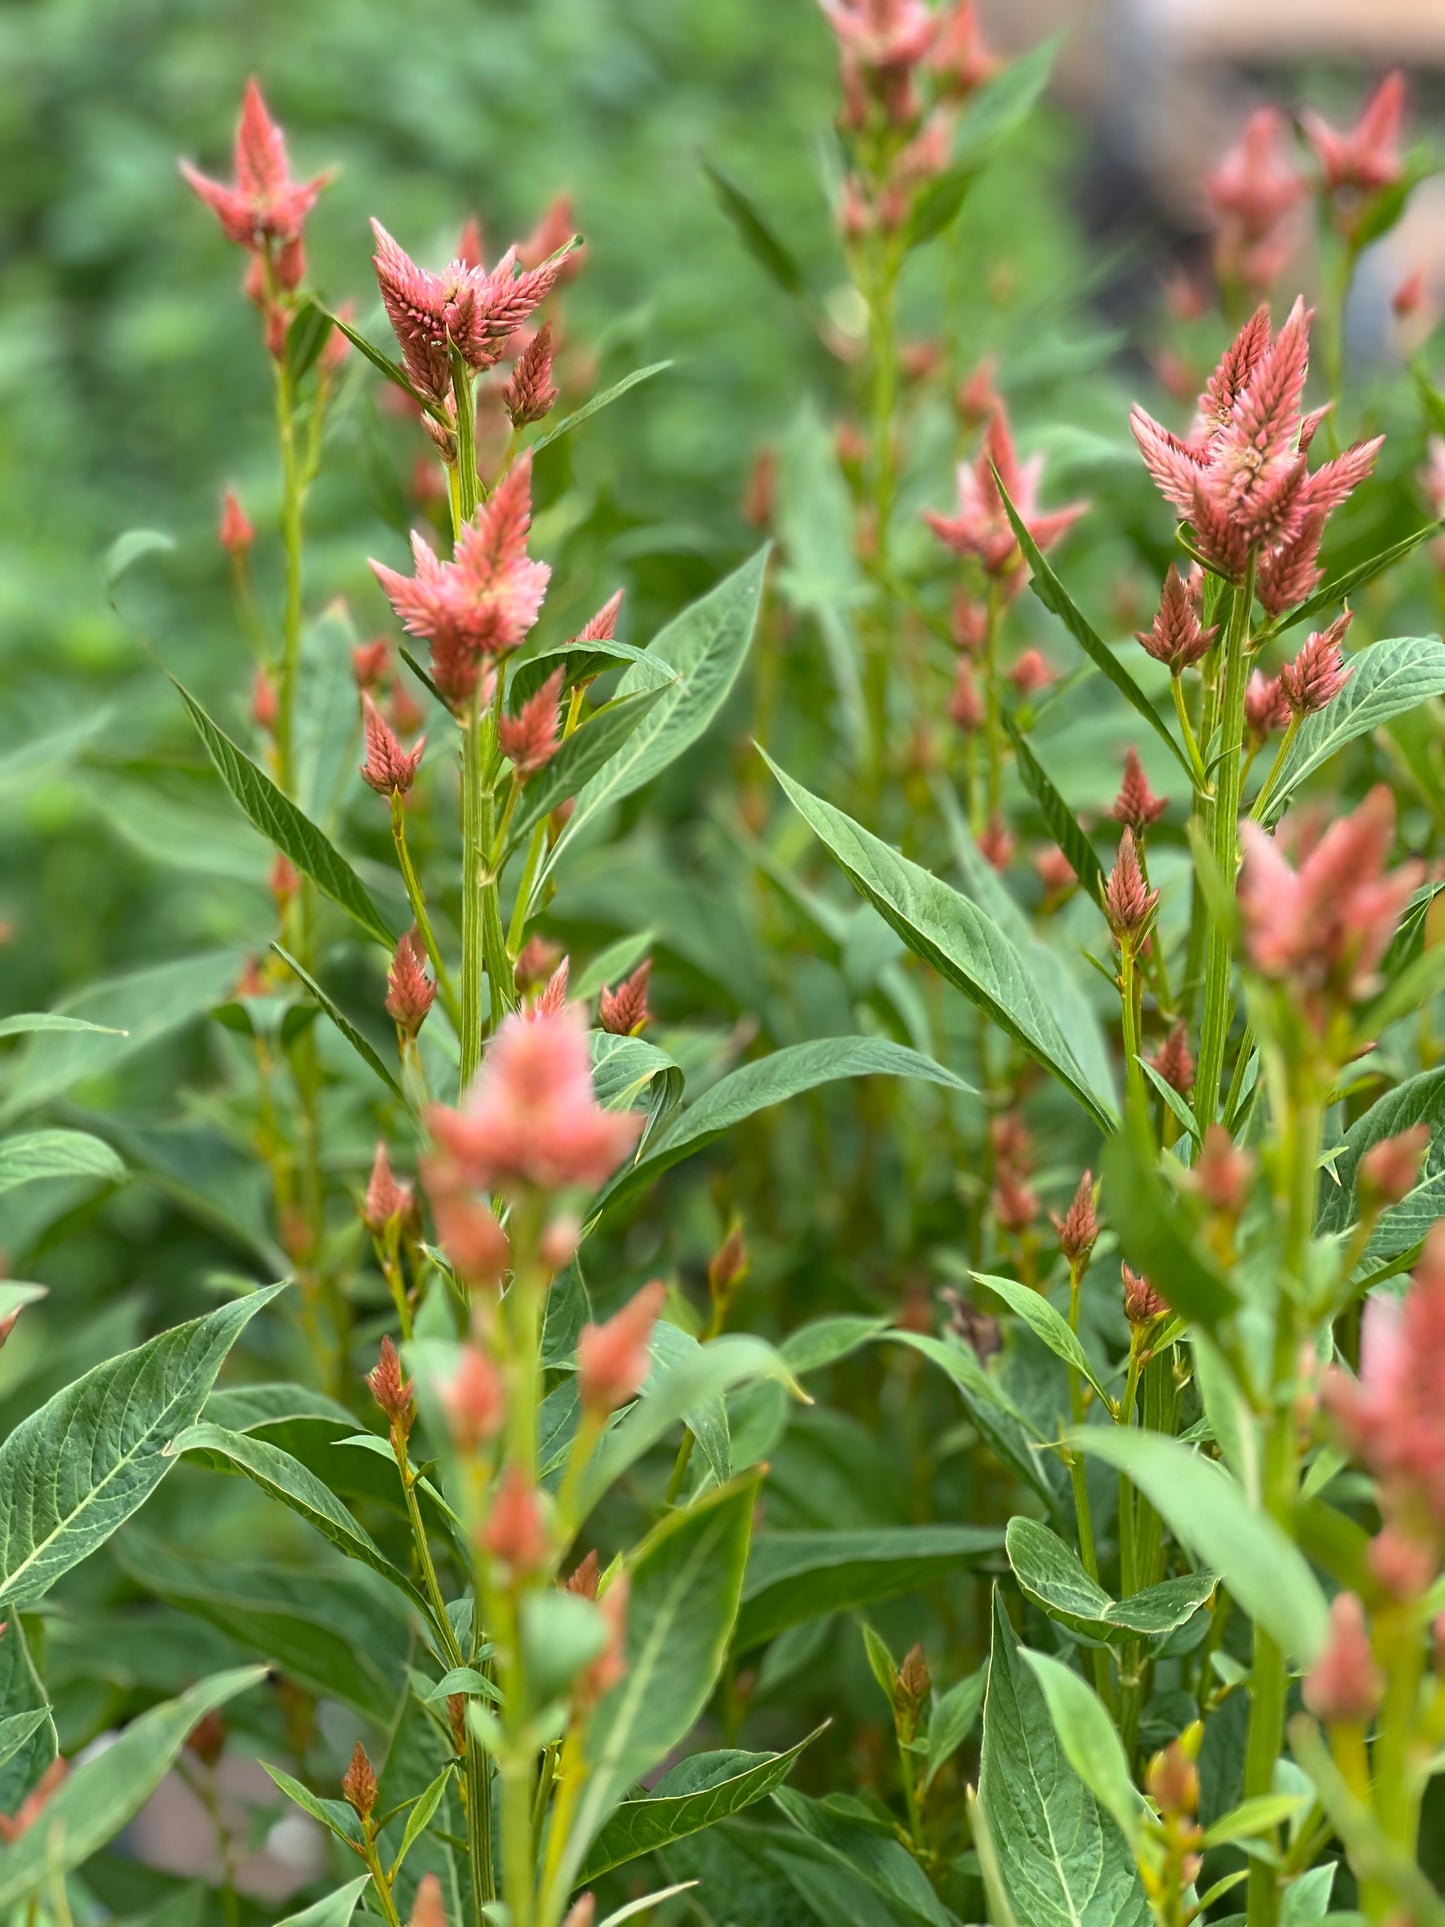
1090, 1741
335, 1815
629, 1070
685, 1583
25, 1755
107, 1790
1012, 1436
951, 1720
609, 966
1154, 1235
1419, 1100
597, 403
130, 548
1063, 826
697, 1793
286, 1479
831, 1830
1343, 587
757, 233
1251, 1818
1050, 1574
581, 756
996, 110
305, 338
56, 1154
254, 1408
1045, 1323
1063, 1862
384, 365
796, 1576
708, 1419
363, 1048
1055, 598
1208, 1511
827, 1340
963, 944
279, 820
580, 663
1390, 679
335, 1910
705, 645
17, 1728
420, 1813
51, 1020
81, 1465
771, 1080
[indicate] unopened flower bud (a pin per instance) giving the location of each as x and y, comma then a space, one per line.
370, 662
358, 1784
1054, 871
1173, 1782
1402, 1565
529, 739
476, 1246
1142, 1304
965, 705
911, 1687
391, 1392
1078, 1229
515, 1533
583, 1578
1174, 1062
428, 1909
728, 1266
284, 881
1344, 1684
996, 844
1318, 673
410, 993
386, 1200
388, 769
264, 704
474, 1400
1136, 806
235, 533
207, 1739
624, 1011
1390, 1169
1409, 297
1222, 1173
557, 1246
613, 1359
1128, 901
1031, 673
582, 1912
536, 961
529, 393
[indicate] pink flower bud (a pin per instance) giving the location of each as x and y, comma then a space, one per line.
582, 1912
370, 662
1222, 1173
1142, 1304
358, 1783
410, 992
391, 1392
1136, 806
965, 705
1344, 1684
529, 392
1031, 673
1012, 1201
474, 1400
1177, 637
1054, 871
728, 1265
613, 1359
529, 739
1318, 672
1390, 1169
515, 1534
1409, 297
1266, 707
284, 881
557, 1246
1402, 1565
476, 1246
536, 961
1078, 1229
624, 1011
389, 769
264, 705
235, 533
386, 1201
1174, 1062
1128, 901
428, 1908
996, 844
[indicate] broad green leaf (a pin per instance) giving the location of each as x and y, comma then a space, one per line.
1008, 1431
1000, 106
24, 1754
580, 662
708, 1419
1390, 679
1207, 1511
1343, 587
335, 1911
56, 1154
1154, 1232
51, 1020
771, 1080
581, 756
107, 1790
597, 403
1090, 1741
81, 1465
132, 547
1252, 1818
17, 1728
757, 233
822, 577
1419, 1100
361, 1045
832, 1831
1062, 825
255, 1408
1000, 1912
697, 1793
128, 1013
828, 1340
956, 938
1045, 1323
286, 1479
685, 1583
627, 1071
1062, 1862
419, 1815
1050, 1573
1055, 598
951, 1719
705, 645
282, 824
14, 1297
795, 1576
335, 1815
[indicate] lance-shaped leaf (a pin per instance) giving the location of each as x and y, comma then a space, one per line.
580, 757
1155, 1237
1062, 1862
1045, 1323
796, 1576
1090, 1741
51, 1020
772, 1080
1332, 594
685, 1583
383, 364
281, 823
28, 1739
1419, 1100
1052, 1576
107, 1790
1013, 1437
995, 111
757, 233
335, 1910
1056, 598
597, 403
361, 1045
697, 1793
1063, 826
956, 937
78, 1467
1390, 679
56, 1154
1208, 1511
580, 662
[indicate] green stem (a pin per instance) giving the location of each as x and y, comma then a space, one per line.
1218, 1006
522, 908
1267, 786
473, 890
1196, 761
417, 900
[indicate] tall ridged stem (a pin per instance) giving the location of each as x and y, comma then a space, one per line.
466, 495
1224, 840
883, 401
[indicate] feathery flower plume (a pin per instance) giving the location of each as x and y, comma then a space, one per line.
584, 1576
235, 533
603, 626
531, 1117
1128, 901
552, 997
474, 1400
959, 58
389, 769
551, 234
1242, 478
1078, 1229
1365, 157
1013, 1202
263, 205
1266, 707
1318, 672
391, 1392
536, 961
882, 34
410, 993
370, 663
980, 527
1390, 1169
386, 1199
613, 1359
475, 1244
1344, 1686
529, 392
1173, 1061
1142, 1304
516, 1532
1136, 806
624, 1011
1177, 637
358, 1784
1325, 927
969, 624
529, 739
484, 601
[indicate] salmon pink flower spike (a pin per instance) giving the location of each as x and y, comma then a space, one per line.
358, 1783
370, 662
552, 997
474, 1400
603, 626
475, 1244
1177, 636
1266, 707
235, 533
1031, 673
1409, 297
613, 1359
623, 1012
389, 769
1078, 1229
529, 393
263, 205
1136, 805
1324, 927
1254, 184
386, 1200
529, 739
410, 993
959, 57
1222, 1173
1128, 901
1142, 1304
996, 844
1390, 1169
1344, 1686
265, 703
966, 705
981, 527
1366, 157
516, 1532
531, 1119
551, 234
1318, 672
428, 1909
882, 34
1054, 871
391, 1392
1174, 1061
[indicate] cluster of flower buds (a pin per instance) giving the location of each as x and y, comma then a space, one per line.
1174, 1061
1142, 1304
980, 527
1318, 673
410, 993
388, 769
1358, 164
1055, 873
1344, 1687
613, 1359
